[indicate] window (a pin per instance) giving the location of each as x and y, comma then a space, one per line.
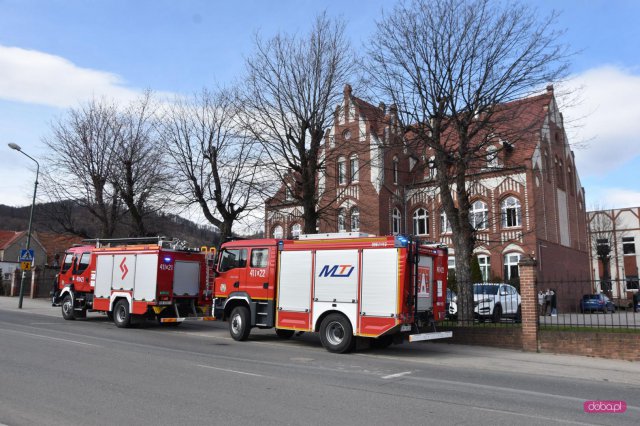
342, 177
296, 230
570, 182
559, 174
353, 164
632, 282
547, 166
511, 270
259, 258
628, 245
445, 225
396, 221
395, 170
232, 258
483, 261
85, 259
420, 222
341, 220
451, 262
277, 232
431, 167
355, 219
511, 212
478, 215
68, 258
492, 158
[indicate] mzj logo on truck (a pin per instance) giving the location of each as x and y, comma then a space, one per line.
338, 271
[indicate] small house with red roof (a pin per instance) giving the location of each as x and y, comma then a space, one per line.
11, 243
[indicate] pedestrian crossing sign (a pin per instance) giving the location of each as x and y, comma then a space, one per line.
26, 255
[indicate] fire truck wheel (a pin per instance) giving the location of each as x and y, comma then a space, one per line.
239, 326
284, 334
336, 334
121, 315
67, 308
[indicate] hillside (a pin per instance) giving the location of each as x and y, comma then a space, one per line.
53, 218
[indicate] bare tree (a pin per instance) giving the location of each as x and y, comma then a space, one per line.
448, 66
292, 86
604, 231
215, 163
140, 174
81, 159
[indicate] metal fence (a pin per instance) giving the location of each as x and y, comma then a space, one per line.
588, 304
561, 304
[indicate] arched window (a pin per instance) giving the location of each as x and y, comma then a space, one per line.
559, 174
395, 170
421, 222
341, 220
277, 232
342, 171
570, 183
479, 215
511, 212
445, 225
354, 170
355, 219
296, 230
492, 157
511, 270
396, 220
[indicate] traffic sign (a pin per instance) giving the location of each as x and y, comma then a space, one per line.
25, 266
26, 255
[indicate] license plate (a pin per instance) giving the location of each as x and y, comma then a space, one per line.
405, 327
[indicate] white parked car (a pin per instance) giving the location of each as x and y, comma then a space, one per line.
496, 301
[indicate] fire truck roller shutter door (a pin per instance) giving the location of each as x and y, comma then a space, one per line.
146, 277
104, 276
186, 278
425, 283
124, 269
380, 282
294, 293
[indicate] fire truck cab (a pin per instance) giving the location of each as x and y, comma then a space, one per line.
340, 285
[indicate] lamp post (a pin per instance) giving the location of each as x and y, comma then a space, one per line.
33, 203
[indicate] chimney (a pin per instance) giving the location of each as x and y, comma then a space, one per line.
382, 107
347, 90
550, 88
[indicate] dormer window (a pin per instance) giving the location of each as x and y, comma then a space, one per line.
492, 158
342, 171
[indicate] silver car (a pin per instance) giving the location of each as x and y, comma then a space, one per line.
496, 301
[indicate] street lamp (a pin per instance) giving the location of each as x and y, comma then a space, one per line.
33, 203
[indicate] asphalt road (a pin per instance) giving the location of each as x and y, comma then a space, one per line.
86, 372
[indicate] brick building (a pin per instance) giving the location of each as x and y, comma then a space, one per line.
620, 230
527, 198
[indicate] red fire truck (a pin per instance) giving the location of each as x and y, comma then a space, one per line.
136, 278
340, 285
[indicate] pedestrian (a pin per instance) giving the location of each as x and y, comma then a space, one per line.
547, 303
540, 301
554, 303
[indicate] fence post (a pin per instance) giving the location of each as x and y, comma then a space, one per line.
15, 283
35, 276
529, 304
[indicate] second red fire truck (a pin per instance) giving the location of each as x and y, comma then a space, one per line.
383, 288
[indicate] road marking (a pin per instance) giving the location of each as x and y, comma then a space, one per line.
391, 376
43, 323
229, 371
50, 338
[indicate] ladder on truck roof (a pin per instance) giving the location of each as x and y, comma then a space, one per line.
161, 241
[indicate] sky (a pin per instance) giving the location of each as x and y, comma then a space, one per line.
56, 54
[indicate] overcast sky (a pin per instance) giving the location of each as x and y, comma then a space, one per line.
57, 54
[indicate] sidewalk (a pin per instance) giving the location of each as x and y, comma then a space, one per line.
477, 358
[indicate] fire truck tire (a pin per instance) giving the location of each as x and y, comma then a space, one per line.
284, 334
121, 314
336, 334
67, 308
239, 326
